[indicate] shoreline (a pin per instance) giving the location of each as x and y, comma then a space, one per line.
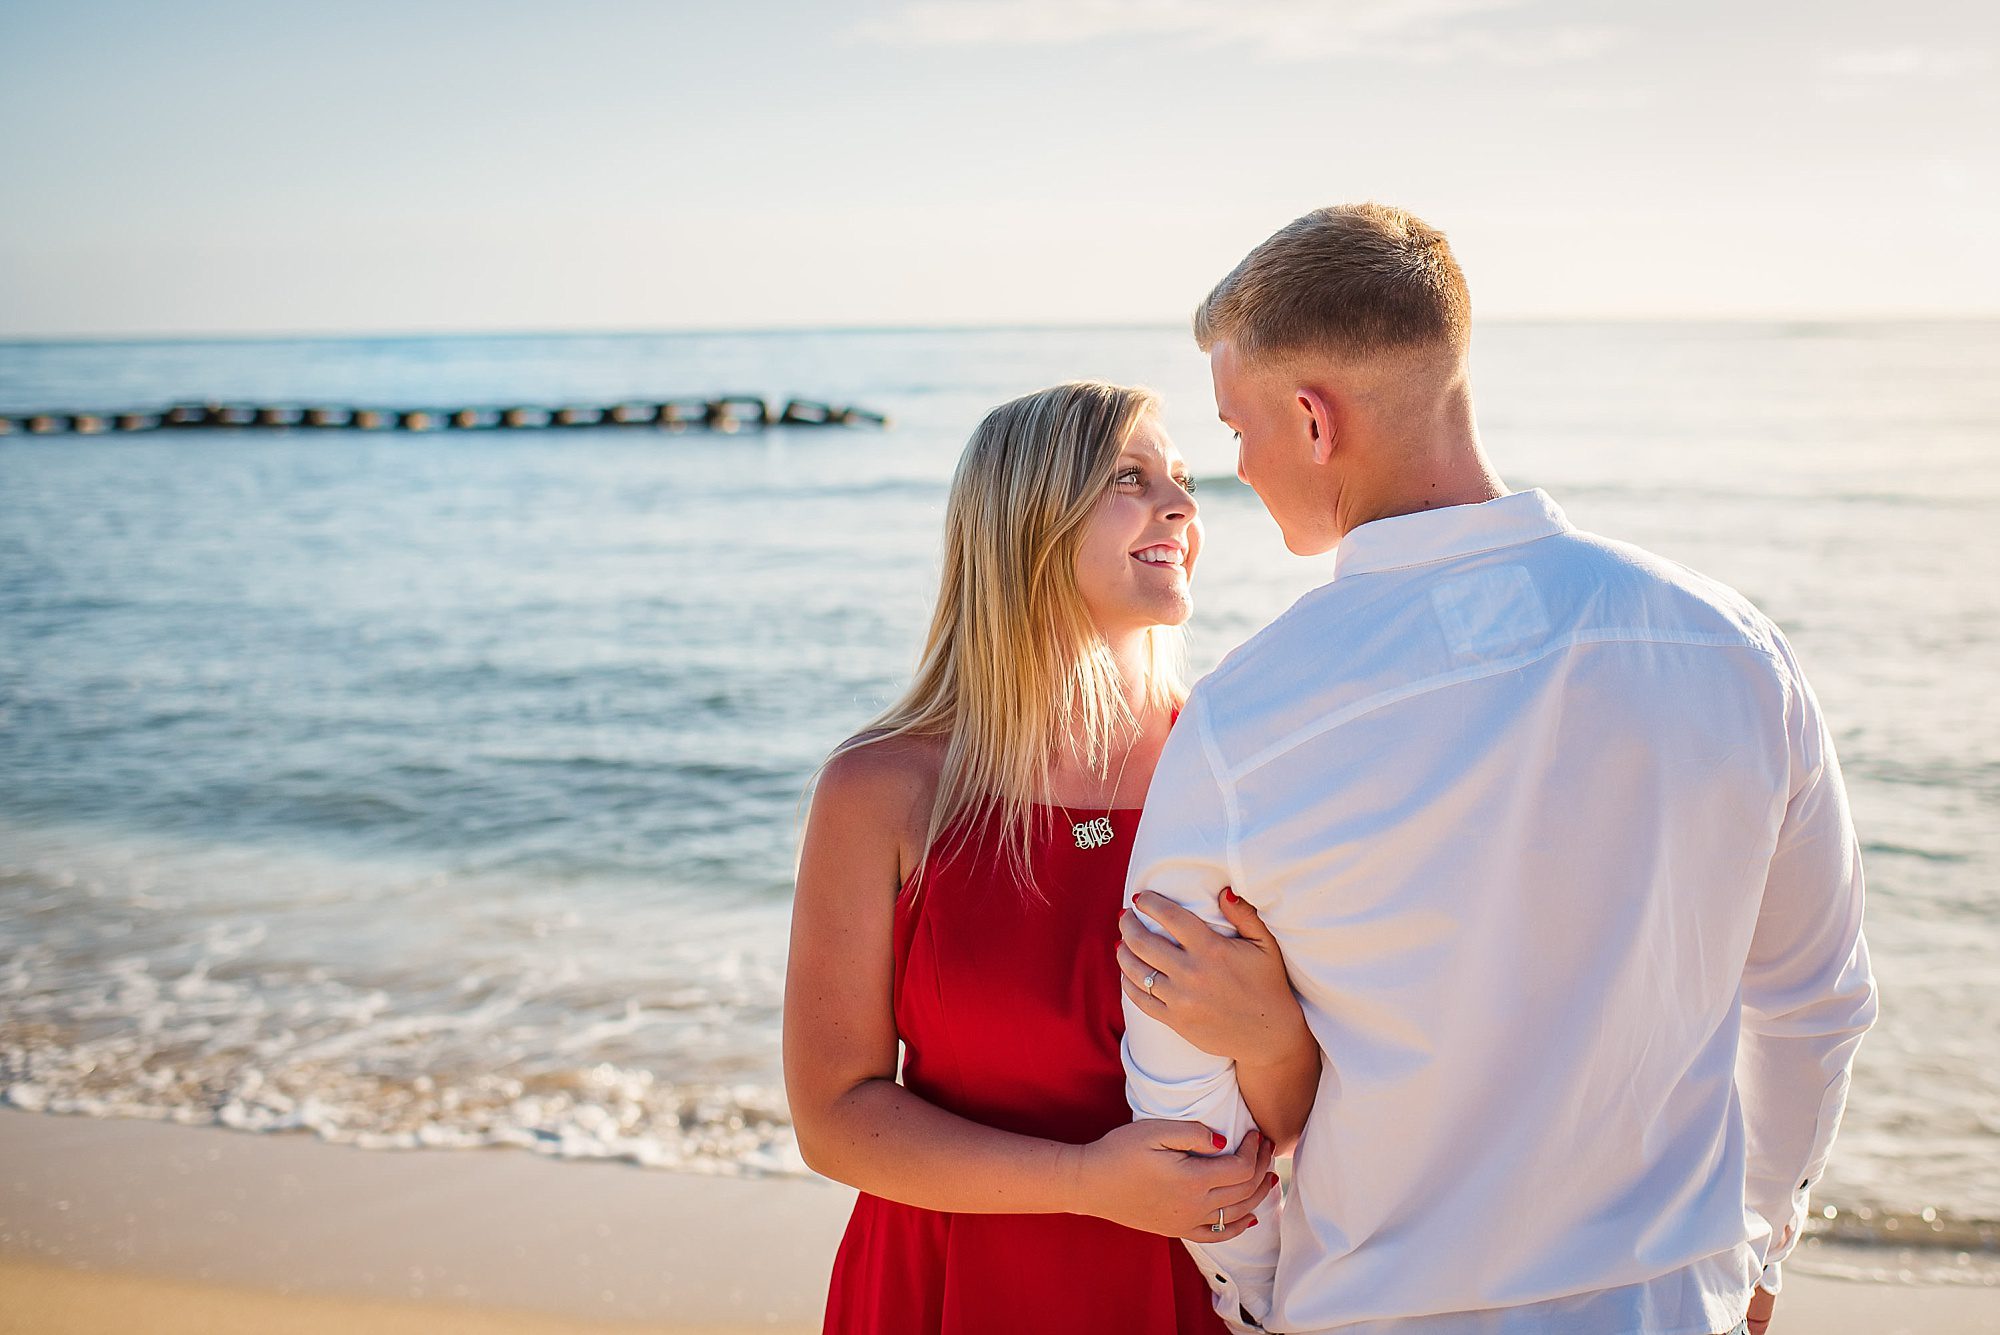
206, 1215
116, 1225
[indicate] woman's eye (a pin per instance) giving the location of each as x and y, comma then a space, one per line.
1187, 483
1130, 475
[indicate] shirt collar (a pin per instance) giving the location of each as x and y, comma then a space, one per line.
1456, 530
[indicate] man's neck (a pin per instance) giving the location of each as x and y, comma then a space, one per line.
1427, 461
1435, 493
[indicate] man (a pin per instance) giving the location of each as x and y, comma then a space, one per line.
1551, 834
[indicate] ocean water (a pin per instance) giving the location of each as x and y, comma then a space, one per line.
444, 789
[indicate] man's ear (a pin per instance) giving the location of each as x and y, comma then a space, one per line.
1320, 410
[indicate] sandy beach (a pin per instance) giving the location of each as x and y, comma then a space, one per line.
130, 1225
120, 1225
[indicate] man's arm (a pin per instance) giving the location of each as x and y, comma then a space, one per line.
1808, 992
1183, 851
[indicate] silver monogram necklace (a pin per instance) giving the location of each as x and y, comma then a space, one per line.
1097, 833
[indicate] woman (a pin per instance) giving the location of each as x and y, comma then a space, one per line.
959, 890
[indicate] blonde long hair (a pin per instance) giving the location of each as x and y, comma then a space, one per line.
1013, 667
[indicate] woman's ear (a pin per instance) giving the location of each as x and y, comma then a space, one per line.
1320, 412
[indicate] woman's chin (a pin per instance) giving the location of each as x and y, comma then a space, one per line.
1161, 611
1175, 613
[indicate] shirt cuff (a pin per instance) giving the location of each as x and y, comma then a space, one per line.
1242, 1295
1773, 1278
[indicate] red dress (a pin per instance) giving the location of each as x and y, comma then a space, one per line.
1009, 1011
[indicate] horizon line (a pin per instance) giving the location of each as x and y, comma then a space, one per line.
996, 327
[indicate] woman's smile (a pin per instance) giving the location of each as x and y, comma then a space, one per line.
1170, 555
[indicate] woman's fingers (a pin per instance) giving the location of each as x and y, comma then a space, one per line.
1157, 951
1254, 1143
1149, 1002
1236, 1170
1238, 1191
1241, 914
1235, 1203
1242, 1201
1233, 1223
1183, 926
1136, 970
1188, 1137
1268, 1150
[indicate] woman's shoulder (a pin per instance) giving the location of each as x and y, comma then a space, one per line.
877, 774
873, 799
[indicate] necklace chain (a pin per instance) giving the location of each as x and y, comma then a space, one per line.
1097, 833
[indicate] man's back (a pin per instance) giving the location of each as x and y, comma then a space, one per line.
1510, 796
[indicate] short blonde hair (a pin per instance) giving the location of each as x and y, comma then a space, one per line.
1352, 281
1013, 666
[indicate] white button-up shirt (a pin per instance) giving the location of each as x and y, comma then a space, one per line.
1554, 839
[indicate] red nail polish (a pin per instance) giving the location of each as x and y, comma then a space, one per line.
1253, 1222
1229, 894
1270, 1179
1220, 1140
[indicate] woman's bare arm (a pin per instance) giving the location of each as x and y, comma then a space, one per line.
856, 1124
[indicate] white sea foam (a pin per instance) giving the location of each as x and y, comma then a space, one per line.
218, 1022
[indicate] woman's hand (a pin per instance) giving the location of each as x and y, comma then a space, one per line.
1166, 1178
1229, 996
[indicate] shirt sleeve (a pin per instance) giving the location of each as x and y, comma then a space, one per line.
1184, 851
1808, 991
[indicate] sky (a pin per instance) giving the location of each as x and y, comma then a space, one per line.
211, 168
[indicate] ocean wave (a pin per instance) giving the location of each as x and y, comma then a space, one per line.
1894, 1264
1925, 1229
1875, 848
604, 1111
600, 1111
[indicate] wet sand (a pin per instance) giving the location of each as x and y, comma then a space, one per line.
128, 1226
